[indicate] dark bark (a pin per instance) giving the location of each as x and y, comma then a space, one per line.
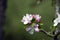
56, 33
55, 38
3, 6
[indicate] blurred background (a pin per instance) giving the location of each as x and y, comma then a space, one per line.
15, 30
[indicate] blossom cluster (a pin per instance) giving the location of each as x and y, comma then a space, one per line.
33, 20
27, 19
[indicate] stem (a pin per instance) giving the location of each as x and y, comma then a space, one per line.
54, 36
47, 33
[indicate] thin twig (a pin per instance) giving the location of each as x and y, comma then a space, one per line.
47, 33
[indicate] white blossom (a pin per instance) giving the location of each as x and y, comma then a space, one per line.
57, 20
27, 19
37, 17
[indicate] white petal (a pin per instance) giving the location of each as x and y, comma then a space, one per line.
29, 16
56, 20
55, 24
26, 22
26, 19
37, 17
28, 28
37, 29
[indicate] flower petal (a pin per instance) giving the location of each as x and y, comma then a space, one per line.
29, 16
55, 24
27, 19
28, 28
37, 17
37, 29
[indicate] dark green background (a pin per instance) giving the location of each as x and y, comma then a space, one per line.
15, 30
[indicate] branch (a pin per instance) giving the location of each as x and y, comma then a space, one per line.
50, 34
47, 33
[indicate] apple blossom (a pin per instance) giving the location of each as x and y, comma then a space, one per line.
57, 20
24, 20
37, 17
27, 19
